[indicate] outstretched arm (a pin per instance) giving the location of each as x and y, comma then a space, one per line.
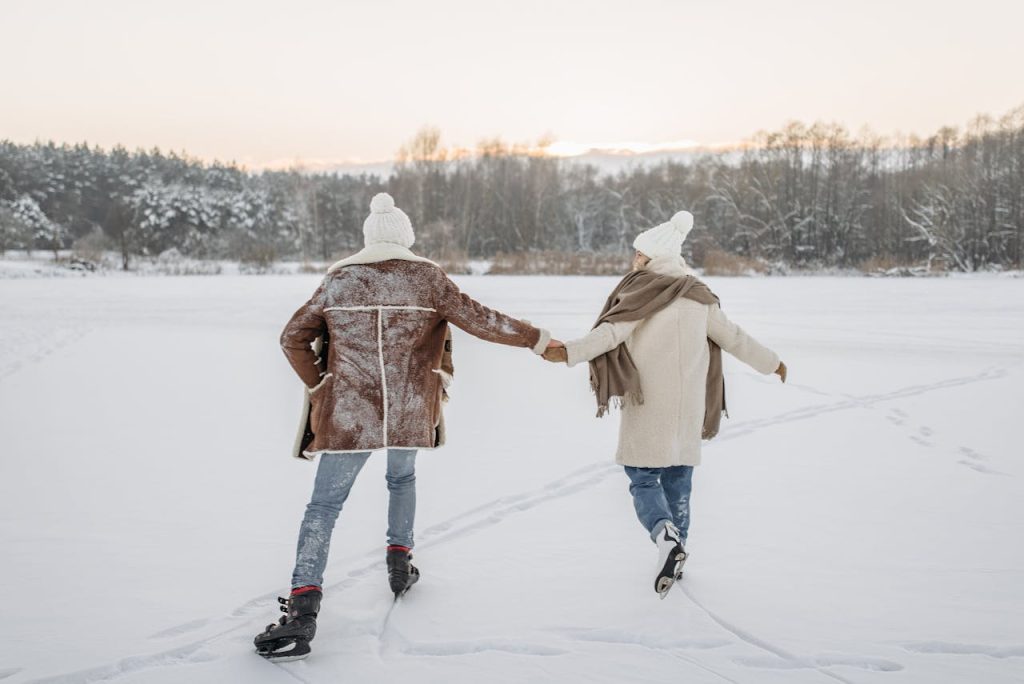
305, 326
601, 339
488, 324
733, 339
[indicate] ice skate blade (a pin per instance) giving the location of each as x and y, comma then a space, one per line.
284, 650
680, 564
285, 659
663, 584
414, 577
402, 593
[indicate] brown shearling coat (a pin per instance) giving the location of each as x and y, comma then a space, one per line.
386, 315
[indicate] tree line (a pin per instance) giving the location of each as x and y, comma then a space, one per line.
806, 196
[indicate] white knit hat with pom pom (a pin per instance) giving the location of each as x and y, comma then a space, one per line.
665, 239
387, 223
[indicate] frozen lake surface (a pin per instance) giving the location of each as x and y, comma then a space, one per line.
861, 523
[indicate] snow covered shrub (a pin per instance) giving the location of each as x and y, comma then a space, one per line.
720, 263
552, 262
454, 267
879, 264
171, 262
257, 260
893, 268
451, 259
91, 247
312, 269
80, 265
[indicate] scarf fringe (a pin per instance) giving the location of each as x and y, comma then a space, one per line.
629, 399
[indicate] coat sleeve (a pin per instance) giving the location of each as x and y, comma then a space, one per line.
733, 339
487, 324
601, 339
305, 326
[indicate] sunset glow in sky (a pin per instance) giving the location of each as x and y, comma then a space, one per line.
271, 83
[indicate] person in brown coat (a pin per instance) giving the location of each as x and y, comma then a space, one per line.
380, 384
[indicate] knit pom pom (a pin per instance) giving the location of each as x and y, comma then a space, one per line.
682, 221
382, 203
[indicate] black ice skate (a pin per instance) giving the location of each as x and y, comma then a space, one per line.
289, 639
402, 574
671, 557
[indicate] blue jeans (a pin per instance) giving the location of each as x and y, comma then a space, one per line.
662, 495
334, 478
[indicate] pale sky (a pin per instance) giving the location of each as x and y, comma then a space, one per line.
279, 82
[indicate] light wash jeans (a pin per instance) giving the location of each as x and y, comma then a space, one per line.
334, 479
662, 495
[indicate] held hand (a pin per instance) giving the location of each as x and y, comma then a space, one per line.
556, 355
781, 371
555, 352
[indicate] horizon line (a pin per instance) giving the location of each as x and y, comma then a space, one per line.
552, 148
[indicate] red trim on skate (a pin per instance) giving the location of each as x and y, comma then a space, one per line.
396, 547
298, 591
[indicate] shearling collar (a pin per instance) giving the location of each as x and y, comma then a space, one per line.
674, 265
381, 251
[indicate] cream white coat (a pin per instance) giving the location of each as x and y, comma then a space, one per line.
671, 354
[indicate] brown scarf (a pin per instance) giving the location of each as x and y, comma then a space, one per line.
614, 376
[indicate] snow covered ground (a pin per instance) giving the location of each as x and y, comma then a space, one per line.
861, 523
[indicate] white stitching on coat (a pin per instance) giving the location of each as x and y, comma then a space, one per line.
378, 307
310, 455
383, 373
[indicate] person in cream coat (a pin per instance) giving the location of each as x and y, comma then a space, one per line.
660, 435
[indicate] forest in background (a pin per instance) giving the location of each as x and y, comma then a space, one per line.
805, 197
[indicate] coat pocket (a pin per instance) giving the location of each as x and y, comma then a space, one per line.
317, 396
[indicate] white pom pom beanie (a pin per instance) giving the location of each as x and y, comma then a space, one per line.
665, 239
387, 223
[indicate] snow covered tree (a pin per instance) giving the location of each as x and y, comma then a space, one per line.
14, 232
36, 225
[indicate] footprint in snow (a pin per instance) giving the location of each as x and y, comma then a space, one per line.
955, 648
862, 662
971, 453
629, 637
973, 461
896, 417
184, 655
461, 648
977, 467
183, 628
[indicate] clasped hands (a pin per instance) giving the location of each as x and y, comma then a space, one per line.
556, 352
